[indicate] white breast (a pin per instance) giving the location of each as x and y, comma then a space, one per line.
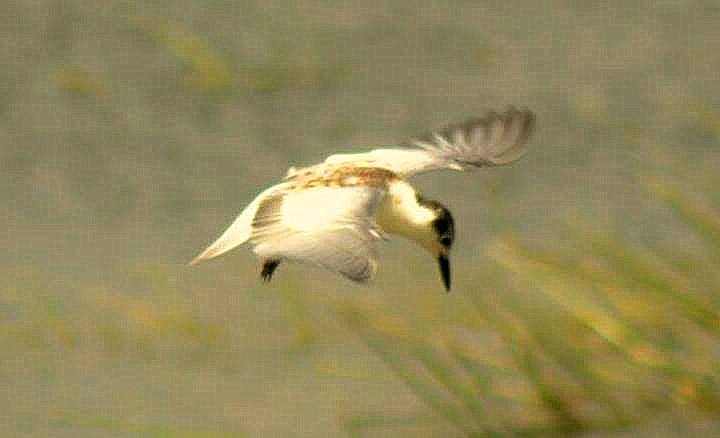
399, 213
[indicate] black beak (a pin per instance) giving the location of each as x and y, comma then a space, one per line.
445, 270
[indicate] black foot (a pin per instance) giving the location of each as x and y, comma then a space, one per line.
268, 269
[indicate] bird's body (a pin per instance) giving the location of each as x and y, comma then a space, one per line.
335, 213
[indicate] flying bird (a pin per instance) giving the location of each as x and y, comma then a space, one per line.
335, 214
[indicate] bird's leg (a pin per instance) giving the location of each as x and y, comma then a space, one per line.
268, 269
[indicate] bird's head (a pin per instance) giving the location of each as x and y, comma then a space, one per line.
439, 236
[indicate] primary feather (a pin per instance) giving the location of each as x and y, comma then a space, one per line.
492, 140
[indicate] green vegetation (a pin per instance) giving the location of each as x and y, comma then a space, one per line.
595, 335
585, 296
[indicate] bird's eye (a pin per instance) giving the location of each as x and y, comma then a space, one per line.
445, 241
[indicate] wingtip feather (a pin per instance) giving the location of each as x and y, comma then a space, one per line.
207, 254
494, 139
513, 144
228, 241
200, 257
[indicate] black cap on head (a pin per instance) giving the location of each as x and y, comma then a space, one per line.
443, 224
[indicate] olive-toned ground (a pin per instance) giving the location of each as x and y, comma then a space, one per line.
585, 297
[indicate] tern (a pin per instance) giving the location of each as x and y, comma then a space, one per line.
334, 214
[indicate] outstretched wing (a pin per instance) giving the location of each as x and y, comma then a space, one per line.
331, 227
491, 140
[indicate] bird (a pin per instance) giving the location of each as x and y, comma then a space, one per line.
335, 214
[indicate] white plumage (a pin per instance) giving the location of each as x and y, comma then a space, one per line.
492, 140
339, 234
334, 214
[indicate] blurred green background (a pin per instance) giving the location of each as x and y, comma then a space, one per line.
586, 295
